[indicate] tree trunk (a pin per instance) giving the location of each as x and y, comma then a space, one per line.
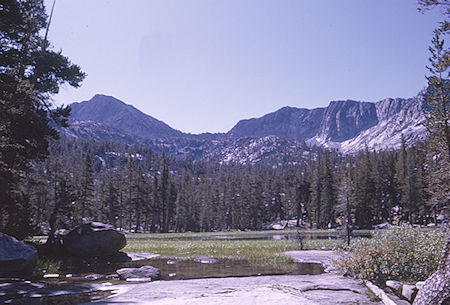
436, 289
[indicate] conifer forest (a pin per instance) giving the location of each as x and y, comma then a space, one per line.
141, 191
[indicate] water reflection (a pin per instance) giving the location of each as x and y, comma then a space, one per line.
189, 269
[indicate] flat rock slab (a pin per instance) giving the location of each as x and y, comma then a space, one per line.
328, 288
14, 288
324, 257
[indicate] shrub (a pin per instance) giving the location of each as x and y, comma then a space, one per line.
403, 253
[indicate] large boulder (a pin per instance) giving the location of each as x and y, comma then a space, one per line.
16, 258
94, 239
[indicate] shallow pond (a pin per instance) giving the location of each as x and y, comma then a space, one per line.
72, 286
77, 277
190, 269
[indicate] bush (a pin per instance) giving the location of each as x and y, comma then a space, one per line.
403, 253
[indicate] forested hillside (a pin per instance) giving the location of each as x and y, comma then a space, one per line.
139, 190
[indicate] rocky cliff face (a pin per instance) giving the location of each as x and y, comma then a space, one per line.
395, 117
287, 122
343, 120
345, 125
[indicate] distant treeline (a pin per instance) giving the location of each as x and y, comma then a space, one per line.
135, 189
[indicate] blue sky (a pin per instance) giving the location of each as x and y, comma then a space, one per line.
202, 65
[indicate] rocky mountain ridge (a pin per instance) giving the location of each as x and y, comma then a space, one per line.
348, 126
345, 125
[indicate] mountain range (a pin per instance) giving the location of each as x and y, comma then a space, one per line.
348, 126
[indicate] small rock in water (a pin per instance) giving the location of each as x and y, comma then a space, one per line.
51, 276
171, 262
93, 277
143, 272
172, 274
206, 260
139, 279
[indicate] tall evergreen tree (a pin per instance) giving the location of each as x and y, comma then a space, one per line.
29, 73
328, 194
316, 191
346, 198
438, 122
365, 190
86, 189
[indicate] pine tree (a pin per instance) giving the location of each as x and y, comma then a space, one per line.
435, 289
365, 190
328, 194
438, 117
29, 73
63, 197
302, 198
316, 191
403, 179
347, 199
86, 188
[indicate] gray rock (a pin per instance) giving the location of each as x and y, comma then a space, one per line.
394, 285
137, 256
277, 227
206, 260
94, 239
94, 277
381, 226
420, 284
409, 292
16, 257
142, 272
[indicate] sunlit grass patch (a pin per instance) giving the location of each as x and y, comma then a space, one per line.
260, 252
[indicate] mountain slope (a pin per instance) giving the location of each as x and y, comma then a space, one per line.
112, 112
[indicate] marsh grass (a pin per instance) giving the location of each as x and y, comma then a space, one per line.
255, 246
257, 252
229, 245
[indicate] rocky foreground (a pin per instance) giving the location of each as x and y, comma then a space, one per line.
327, 288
